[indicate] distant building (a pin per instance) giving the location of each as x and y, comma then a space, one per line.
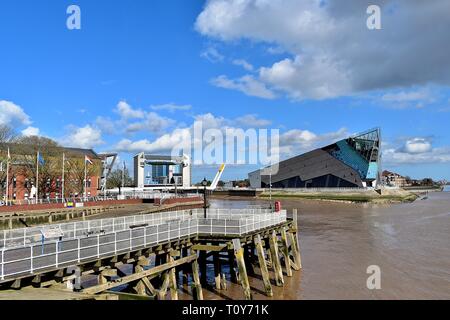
22, 172
352, 162
394, 179
165, 170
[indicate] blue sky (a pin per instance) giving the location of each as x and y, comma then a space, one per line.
140, 73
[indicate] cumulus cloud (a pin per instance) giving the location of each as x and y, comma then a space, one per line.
252, 120
417, 145
171, 107
296, 141
152, 123
332, 52
212, 55
412, 98
244, 64
83, 137
415, 151
31, 131
163, 144
246, 84
12, 114
127, 112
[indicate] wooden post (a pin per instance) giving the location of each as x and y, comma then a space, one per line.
231, 261
248, 259
198, 292
263, 266
276, 265
202, 261
295, 249
217, 270
295, 219
287, 259
173, 281
239, 254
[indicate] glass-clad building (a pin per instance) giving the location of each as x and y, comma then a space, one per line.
352, 162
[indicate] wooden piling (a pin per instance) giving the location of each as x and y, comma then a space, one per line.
239, 254
217, 271
198, 291
263, 266
276, 265
287, 259
202, 261
231, 262
173, 281
295, 249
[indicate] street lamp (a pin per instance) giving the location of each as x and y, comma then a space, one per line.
204, 184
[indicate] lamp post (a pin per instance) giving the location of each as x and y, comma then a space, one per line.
204, 184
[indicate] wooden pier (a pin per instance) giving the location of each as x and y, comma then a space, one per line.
158, 271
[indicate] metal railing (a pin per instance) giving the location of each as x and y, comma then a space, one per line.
108, 237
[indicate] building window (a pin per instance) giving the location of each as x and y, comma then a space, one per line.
14, 183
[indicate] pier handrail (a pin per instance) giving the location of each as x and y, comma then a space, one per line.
36, 256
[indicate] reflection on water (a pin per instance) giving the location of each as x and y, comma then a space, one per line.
409, 242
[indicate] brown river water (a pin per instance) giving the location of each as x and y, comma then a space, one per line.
409, 242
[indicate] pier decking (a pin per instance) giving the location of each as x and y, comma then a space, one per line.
179, 241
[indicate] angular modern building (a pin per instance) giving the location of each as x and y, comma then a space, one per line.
352, 162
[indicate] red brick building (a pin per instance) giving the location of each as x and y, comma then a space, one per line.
24, 162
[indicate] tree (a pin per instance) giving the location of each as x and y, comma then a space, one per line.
115, 179
7, 135
25, 162
75, 174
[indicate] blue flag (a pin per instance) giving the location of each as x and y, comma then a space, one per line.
40, 159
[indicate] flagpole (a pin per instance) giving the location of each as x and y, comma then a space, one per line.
85, 178
7, 178
37, 178
62, 179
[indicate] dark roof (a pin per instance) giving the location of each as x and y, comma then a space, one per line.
29, 149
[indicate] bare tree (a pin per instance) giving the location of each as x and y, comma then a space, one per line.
75, 174
25, 153
115, 179
7, 135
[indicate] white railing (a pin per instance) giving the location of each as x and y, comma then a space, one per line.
108, 237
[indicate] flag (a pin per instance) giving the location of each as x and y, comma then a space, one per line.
40, 159
88, 160
9, 155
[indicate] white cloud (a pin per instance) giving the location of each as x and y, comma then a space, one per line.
415, 151
12, 114
332, 52
31, 131
212, 55
107, 125
246, 84
405, 99
127, 112
152, 123
171, 107
399, 157
244, 64
296, 141
252, 121
163, 144
83, 137
417, 145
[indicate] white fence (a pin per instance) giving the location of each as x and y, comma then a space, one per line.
89, 240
